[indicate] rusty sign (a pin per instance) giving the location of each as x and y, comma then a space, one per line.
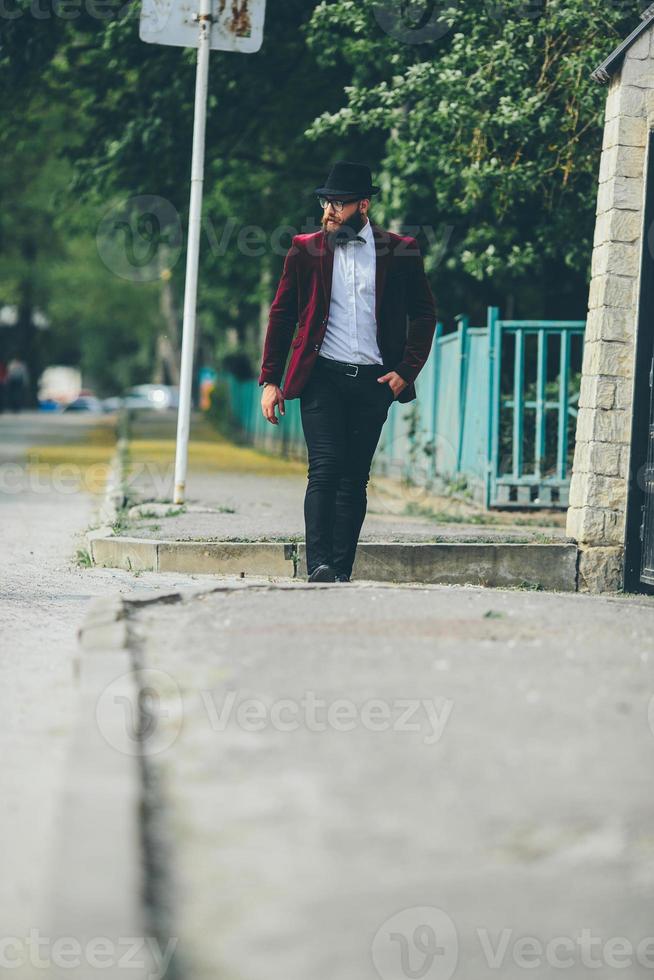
237, 25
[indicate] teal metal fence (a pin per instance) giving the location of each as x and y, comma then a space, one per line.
495, 414
535, 373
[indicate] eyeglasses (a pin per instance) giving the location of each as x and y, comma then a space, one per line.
338, 205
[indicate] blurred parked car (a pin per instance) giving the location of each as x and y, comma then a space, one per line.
85, 403
59, 385
157, 397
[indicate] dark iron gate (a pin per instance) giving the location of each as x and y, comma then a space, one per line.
639, 527
647, 562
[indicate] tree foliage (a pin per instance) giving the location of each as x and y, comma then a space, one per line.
480, 122
493, 128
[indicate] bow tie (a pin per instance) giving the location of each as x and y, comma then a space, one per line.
357, 240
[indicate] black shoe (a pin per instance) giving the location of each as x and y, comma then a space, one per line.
323, 573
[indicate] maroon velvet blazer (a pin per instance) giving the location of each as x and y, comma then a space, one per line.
405, 310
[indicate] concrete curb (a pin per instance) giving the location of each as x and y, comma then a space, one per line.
492, 564
132, 554
114, 494
113, 498
110, 550
98, 878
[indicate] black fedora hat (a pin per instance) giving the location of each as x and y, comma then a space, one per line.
349, 180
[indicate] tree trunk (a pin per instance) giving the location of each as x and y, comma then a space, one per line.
266, 298
26, 331
167, 351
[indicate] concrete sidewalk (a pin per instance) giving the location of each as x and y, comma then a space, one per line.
245, 513
402, 781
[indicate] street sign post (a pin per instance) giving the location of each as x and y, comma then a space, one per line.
236, 25
224, 25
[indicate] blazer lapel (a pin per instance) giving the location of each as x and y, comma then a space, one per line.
326, 269
383, 254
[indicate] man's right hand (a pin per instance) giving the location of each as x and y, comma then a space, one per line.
272, 395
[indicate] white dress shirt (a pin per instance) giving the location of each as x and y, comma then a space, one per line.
351, 333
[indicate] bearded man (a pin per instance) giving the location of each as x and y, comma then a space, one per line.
366, 319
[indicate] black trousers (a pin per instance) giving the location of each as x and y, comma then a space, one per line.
342, 419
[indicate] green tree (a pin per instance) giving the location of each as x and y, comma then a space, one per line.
492, 130
482, 124
30, 180
136, 103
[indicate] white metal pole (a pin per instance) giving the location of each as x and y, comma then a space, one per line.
193, 250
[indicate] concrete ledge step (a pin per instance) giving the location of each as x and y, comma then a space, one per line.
500, 564
199, 557
548, 566
226, 557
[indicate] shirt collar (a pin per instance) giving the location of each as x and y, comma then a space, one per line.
366, 232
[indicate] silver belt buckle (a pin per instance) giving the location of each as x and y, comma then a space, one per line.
356, 370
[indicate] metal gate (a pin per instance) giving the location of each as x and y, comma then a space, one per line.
535, 370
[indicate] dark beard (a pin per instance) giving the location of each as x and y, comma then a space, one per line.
346, 231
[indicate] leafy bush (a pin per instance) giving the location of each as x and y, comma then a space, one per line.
220, 413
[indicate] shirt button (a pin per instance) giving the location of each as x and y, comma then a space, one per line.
316, 346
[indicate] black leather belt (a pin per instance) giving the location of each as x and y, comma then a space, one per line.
351, 370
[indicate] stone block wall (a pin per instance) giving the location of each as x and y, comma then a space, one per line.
600, 471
